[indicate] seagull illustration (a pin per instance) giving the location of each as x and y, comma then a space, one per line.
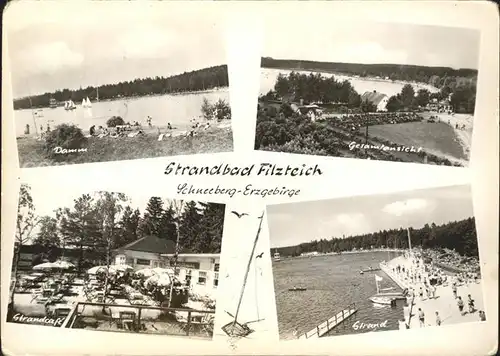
238, 214
259, 255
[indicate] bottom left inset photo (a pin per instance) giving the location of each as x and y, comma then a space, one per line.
117, 262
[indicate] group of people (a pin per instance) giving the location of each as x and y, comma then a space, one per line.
429, 277
357, 121
27, 129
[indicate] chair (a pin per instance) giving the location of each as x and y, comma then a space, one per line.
127, 319
61, 312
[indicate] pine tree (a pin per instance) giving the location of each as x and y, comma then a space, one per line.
152, 220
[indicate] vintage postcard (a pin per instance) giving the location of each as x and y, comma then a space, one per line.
371, 90
97, 89
376, 263
106, 261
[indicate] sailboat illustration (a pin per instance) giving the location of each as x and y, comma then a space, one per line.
69, 105
235, 328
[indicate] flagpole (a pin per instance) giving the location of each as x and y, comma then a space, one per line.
409, 239
248, 269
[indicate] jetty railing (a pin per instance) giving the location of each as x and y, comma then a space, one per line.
331, 323
200, 318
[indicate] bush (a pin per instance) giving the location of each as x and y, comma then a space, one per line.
115, 121
68, 137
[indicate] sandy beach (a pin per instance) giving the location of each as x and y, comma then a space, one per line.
464, 135
444, 301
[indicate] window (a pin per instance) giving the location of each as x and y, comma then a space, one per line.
216, 279
216, 267
121, 260
202, 277
156, 264
140, 261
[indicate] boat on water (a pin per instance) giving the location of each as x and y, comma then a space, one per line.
383, 300
86, 103
276, 256
297, 289
69, 105
52, 103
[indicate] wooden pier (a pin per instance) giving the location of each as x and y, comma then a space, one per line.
330, 324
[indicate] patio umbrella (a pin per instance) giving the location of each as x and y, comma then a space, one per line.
123, 268
145, 272
163, 280
159, 270
45, 266
63, 265
96, 269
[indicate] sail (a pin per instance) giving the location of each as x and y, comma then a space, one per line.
89, 104
84, 103
378, 279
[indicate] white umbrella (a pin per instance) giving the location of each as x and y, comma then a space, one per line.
160, 280
45, 266
96, 269
63, 264
123, 268
145, 272
159, 270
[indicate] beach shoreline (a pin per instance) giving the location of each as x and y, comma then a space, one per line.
444, 301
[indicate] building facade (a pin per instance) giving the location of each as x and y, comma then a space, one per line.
199, 271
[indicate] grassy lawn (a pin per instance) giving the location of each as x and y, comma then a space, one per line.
432, 137
215, 140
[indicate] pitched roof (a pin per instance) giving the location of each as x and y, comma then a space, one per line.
152, 244
372, 96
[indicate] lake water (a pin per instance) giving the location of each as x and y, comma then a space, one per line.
176, 109
333, 282
361, 85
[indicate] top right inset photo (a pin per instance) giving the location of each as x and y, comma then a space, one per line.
368, 90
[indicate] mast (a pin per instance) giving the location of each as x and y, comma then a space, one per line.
409, 239
248, 269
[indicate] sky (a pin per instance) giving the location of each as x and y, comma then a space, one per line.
95, 48
292, 224
373, 42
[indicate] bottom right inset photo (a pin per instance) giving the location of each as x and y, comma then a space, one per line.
374, 263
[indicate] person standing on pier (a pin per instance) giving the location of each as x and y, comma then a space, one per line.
438, 319
470, 302
454, 289
460, 304
421, 317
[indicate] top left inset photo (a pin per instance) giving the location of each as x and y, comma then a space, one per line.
101, 87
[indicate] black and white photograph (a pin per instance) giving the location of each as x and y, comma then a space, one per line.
368, 90
108, 261
98, 88
397, 261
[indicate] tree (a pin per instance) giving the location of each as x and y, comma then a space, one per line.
109, 206
152, 221
189, 225
128, 226
368, 106
407, 95
394, 104
212, 223
80, 227
26, 222
207, 110
48, 236
423, 97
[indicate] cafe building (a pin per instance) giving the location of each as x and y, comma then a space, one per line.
199, 270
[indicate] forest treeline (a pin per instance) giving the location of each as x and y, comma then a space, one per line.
460, 236
197, 80
97, 224
436, 76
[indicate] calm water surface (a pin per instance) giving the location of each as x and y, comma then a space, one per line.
332, 282
361, 85
176, 109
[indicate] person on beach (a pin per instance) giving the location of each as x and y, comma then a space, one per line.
482, 315
438, 319
41, 128
421, 293
27, 130
48, 128
169, 127
460, 304
454, 289
470, 302
421, 317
